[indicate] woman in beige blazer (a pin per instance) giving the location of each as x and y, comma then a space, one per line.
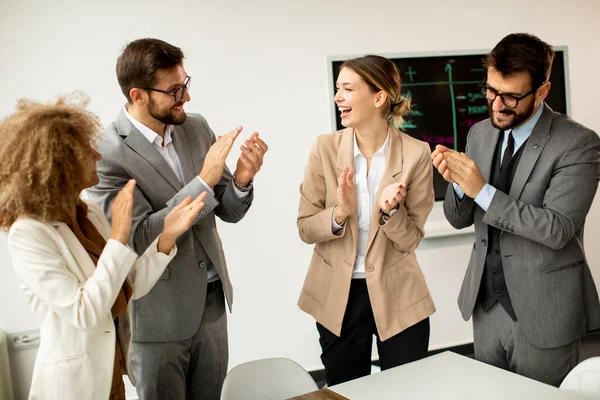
366, 194
75, 271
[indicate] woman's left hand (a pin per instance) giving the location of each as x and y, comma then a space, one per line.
390, 196
178, 221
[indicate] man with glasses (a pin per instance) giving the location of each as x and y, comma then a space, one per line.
526, 181
179, 348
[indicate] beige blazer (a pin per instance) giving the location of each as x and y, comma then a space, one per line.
72, 299
397, 288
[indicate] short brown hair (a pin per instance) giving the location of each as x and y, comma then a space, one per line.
522, 52
139, 61
42, 148
379, 74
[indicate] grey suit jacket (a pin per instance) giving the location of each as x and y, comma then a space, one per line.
541, 220
173, 309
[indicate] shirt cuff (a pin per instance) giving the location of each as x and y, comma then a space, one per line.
458, 191
206, 185
485, 196
334, 225
241, 195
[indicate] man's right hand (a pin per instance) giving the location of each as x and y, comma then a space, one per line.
346, 195
440, 162
214, 162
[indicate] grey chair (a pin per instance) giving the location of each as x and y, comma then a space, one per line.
267, 379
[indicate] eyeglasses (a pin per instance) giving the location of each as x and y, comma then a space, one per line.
176, 93
509, 100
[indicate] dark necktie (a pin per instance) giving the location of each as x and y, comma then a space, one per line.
508, 152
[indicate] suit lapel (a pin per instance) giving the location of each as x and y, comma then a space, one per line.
79, 253
391, 174
533, 148
81, 256
138, 143
99, 222
488, 146
184, 152
345, 158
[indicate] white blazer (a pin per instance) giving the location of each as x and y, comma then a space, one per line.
72, 298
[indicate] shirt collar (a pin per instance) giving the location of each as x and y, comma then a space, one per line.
522, 132
383, 150
148, 133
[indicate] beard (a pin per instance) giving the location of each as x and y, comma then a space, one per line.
517, 117
165, 116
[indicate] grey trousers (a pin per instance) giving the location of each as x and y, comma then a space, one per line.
500, 342
192, 369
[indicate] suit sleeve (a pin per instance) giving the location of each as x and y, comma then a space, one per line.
147, 224
40, 267
407, 226
148, 268
567, 199
314, 218
459, 212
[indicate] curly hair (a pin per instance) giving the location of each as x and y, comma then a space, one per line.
42, 149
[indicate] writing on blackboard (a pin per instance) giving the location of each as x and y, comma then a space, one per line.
433, 139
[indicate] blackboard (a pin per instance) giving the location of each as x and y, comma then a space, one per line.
446, 100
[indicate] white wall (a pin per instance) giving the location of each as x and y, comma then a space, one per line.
262, 64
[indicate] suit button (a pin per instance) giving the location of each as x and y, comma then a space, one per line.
197, 229
453, 209
206, 207
484, 242
495, 272
370, 268
496, 251
202, 264
202, 212
497, 291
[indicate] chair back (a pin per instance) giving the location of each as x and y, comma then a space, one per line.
267, 379
584, 379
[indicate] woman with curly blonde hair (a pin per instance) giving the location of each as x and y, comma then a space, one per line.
75, 270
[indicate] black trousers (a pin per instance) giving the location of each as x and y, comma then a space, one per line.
349, 356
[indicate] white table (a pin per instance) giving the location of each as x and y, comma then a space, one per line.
448, 376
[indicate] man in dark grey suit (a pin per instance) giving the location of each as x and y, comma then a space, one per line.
526, 180
179, 349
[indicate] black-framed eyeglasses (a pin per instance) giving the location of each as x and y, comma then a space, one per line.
509, 100
176, 93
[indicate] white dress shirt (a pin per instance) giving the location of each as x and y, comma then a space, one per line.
367, 186
164, 147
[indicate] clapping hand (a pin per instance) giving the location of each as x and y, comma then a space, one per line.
346, 195
214, 162
178, 221
121, 213
391, 196
251, 159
